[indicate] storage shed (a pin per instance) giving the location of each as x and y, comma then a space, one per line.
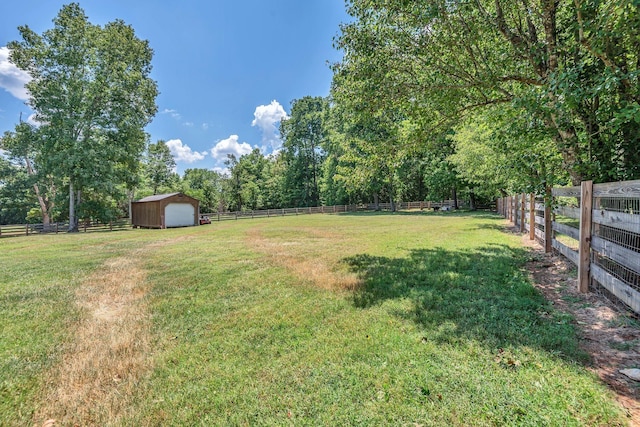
165, 211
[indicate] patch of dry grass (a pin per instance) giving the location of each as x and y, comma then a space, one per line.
315, 266
101, 368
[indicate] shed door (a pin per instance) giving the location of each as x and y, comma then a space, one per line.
179, 215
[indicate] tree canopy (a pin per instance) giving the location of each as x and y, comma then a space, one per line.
92, 95
569, 66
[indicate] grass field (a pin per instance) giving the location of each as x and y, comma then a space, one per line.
356, 319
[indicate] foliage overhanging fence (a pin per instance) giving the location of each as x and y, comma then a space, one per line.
595, 226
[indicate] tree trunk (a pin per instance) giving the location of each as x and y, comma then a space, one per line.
73, 220
44, 206
376, 201
391, 202
454, 196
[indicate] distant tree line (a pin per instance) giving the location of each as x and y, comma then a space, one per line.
432, 100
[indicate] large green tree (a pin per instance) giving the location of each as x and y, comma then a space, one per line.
495, 156
571, 65
159, 165
247, 186
206, 186
303, 135
92, 93
16, 194
23, 148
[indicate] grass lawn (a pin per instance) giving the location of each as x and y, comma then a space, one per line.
354, 319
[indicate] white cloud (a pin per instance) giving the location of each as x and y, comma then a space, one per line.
230, 146
274, 153
183, 153
266, 117
205, 126
188, 124
12, 79
172, 113
222, 171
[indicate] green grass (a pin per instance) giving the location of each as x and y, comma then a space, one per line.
444, 329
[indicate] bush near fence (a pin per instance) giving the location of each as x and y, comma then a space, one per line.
595, 226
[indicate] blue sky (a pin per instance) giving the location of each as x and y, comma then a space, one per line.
227, 70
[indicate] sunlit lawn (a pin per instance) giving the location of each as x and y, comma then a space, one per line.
359, 319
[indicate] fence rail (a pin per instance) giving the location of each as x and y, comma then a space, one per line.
91, 226
267, 213
16, 230
596, 226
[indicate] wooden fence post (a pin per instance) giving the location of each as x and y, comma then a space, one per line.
511, 218
507, 208
26, 227
532, 216
522, 206
584, 252
548, 229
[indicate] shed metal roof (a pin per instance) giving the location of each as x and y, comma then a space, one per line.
157, 197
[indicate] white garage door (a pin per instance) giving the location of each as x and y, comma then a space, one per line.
179, 215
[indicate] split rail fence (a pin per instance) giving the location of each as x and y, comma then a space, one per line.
91, 226
267, 213
61, 227
595, 226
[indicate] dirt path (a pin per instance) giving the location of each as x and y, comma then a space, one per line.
100, 369
609, 334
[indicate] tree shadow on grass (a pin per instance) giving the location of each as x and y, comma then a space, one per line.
479, 294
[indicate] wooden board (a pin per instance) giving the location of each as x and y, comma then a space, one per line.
569, 253
567, 211
617, 253
626, 189
621, 220
621, 290
566, 192
566, 230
